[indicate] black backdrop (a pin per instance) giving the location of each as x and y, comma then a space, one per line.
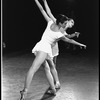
23, 24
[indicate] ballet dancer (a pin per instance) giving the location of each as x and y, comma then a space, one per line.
54, 32
55, 49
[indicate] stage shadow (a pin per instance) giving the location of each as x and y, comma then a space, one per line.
48, 96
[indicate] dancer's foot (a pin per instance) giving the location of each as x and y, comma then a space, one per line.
51, 91
57, 85
23, 94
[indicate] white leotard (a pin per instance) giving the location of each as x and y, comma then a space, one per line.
47, 43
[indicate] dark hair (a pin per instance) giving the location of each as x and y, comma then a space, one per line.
61, 19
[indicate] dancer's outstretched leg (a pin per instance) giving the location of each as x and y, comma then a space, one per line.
40, 58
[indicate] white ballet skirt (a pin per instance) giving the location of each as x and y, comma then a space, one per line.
48, 42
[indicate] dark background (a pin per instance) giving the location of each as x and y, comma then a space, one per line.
23, 23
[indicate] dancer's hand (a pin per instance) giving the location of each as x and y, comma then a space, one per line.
83, 46
77, 34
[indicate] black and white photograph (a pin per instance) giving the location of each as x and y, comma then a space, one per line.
49, 49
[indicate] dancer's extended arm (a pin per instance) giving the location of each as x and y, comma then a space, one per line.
49, 11
72, 41
42, 11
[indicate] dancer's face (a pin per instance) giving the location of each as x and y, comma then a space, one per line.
67, 24
70, 23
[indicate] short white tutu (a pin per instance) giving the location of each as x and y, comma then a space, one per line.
43, 46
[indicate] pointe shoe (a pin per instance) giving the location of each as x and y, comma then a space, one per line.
57, 86
23, 94
51, 91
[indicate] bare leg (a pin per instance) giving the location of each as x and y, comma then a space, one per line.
49, 75
57, 83
54, 73
49, 78
40, 58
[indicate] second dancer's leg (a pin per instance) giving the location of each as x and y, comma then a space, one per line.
54, 73
49, 77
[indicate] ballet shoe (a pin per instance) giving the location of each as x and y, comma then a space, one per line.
23, 94
57, 86
51, 91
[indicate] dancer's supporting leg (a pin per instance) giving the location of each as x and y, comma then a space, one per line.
57, 83
49, 76
54, 73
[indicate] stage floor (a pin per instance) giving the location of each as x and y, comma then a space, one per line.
78, 76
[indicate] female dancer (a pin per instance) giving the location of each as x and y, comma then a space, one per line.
55, 49
55, 52
43, 49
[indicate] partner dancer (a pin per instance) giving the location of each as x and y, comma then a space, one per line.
55, 49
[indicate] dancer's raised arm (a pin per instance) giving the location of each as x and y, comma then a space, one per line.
49, 11
42, 11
